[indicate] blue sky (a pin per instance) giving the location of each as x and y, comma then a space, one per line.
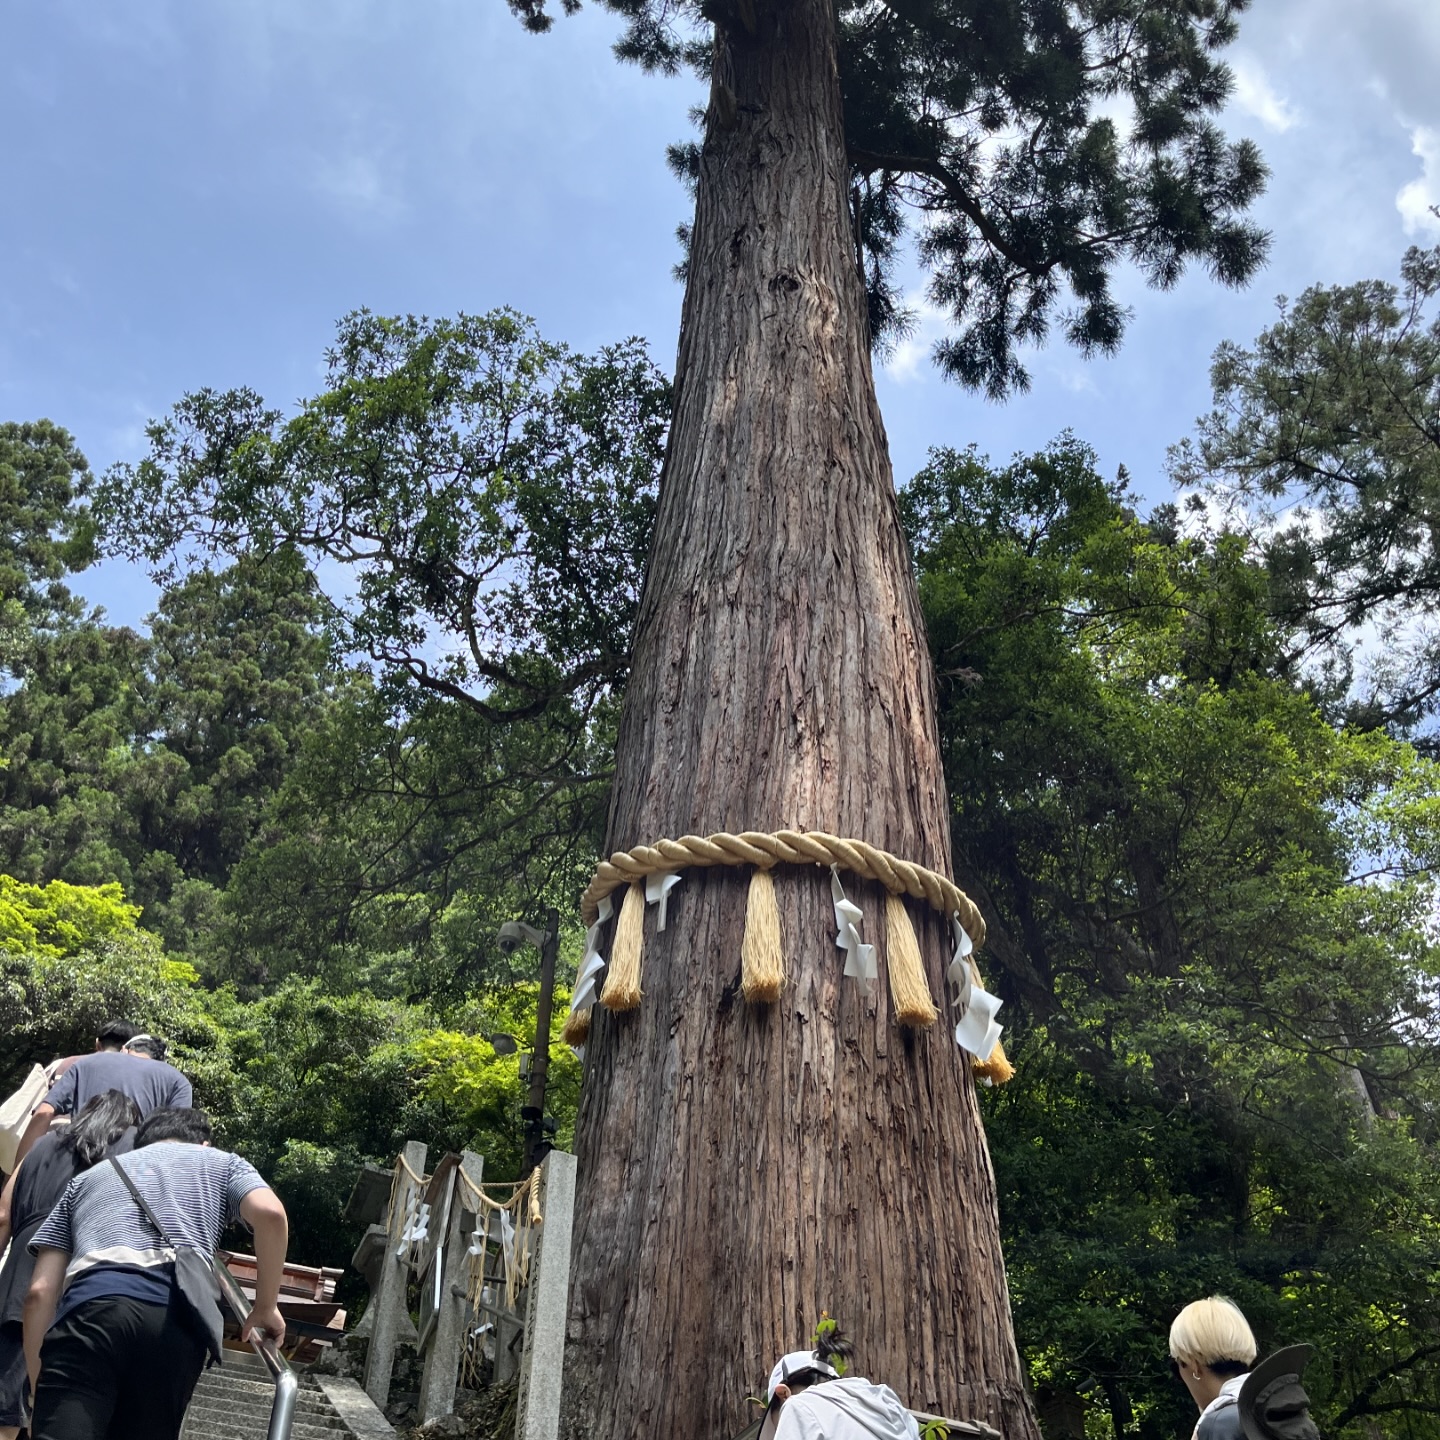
196, 192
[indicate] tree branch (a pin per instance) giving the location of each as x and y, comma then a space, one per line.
869, 161
1363, 1402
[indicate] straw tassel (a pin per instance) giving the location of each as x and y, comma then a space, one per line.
577, 1027
997, 1069
908, 990
762, 962
622, 980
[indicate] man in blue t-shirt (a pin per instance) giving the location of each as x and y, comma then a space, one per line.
117, 1354
151, 1084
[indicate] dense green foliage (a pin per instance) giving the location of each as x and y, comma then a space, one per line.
487, 494
45, 528
399, 843
148, 760
319, 890
481, 499
307, 1083
1209, 911
73, 957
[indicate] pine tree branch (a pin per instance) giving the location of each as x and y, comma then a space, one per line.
870, 161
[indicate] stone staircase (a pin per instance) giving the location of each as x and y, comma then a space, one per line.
233, 1400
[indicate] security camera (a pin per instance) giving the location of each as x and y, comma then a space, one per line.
513, 934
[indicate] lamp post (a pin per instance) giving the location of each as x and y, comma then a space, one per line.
512, 935
536, 1144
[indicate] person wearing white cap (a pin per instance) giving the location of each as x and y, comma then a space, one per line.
808, 1399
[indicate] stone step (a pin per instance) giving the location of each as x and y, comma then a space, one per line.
214, 1408
252, 1428
217, 1383
313, 1407
235, 1404
247, 1392
248, 1425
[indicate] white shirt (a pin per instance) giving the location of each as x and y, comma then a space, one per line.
849, 1409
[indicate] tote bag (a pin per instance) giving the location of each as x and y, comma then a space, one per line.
16, 1111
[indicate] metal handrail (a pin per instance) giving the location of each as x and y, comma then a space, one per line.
287, 1385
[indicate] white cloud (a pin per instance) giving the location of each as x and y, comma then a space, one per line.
1416, 200
63, 278
356, 183
905, 360
1076, 379
125, 438
1120, 111
1255, 95
910, 360
147, 31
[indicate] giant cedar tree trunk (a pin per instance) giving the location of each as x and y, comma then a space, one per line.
743, 1168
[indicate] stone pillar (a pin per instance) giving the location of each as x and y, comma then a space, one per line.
509, 1339
388, 1301
447, 1344
538, 1416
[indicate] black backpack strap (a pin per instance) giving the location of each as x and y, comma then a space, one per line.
142, 1202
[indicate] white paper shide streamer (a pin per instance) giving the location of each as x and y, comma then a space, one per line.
978, 1031
859, 958
592, 968
657, 892
415, 1229
958, 973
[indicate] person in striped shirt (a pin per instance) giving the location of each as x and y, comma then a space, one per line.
110, 1346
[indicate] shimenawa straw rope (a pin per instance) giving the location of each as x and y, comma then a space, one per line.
762, 961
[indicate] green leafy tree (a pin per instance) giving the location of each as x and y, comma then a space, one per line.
70, 731
324, 1081
1209, 912
489, 496
72, 957
148, 761
276, 814
487, 493
58, 919
239, 671
1324, 440
45, 528
1119, 1210
483, 1091
396, 847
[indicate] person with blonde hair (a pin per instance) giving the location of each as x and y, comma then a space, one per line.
1211, 1350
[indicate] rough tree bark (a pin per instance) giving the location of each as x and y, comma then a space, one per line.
743, 1168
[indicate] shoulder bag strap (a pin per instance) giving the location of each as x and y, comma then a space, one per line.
142, 1202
